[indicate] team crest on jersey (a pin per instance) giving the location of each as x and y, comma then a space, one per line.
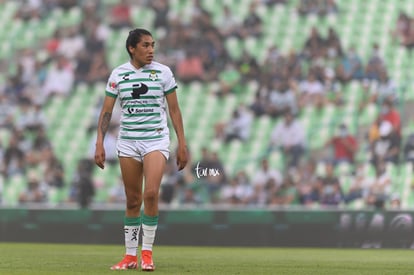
153, 76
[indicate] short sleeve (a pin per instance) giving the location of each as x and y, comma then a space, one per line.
169, 84
112, 86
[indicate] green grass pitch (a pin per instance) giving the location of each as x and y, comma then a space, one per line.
44, 259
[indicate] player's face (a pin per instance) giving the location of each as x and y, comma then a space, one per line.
143, 53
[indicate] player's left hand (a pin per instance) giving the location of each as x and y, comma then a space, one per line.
182, 157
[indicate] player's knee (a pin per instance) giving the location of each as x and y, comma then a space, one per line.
150, 195
133, 205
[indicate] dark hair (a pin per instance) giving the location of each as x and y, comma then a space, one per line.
134, 37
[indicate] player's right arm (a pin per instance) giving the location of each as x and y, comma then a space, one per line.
103, 126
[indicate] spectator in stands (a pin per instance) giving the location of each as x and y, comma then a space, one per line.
306, 181
395, 201
161, 9
289, 136
409, 41
330, 192
190, 68
271, 61
317, 7
314, 45
350, 67
32, 117
82, 187
307, 7
344, 146
375, 64
380, 189
120, 15
39, 149
15, 88
27, 63
36, 191
280, 100
51, 44
252, 24
14, 158
333, 89
360, 184
312, 92
71, 43
401, 29
66, 5
248, 67
237, 128
271, 3
261, 194
54, 175
384, 89
98, 69
214, 55
59, 80
387, 147
293, 67
239, 190
285, 194
30, 10
258, 106
265, 174
197, 10
390, 114
229, 23
190, 196
409, 149
333, 44
229, 80
6, 112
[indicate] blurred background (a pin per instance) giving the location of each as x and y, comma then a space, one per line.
286, 103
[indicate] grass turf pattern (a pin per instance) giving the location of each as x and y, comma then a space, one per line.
44, 259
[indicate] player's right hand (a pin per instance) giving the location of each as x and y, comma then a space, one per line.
100, 157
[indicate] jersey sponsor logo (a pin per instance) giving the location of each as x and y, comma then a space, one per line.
138, 90
140, 110
125, 77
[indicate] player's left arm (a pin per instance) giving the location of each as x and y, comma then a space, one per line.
177, 121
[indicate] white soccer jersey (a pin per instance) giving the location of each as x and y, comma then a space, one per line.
141, 94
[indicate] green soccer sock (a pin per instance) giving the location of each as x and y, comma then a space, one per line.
131, 231
149, 226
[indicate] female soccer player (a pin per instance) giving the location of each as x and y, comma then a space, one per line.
142, 86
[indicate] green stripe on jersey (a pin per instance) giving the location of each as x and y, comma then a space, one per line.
141, 105
137, 80
150, 71
131, 88
141, 130
170, 91
143, 114
130, 72
142, 97
142, 138
110, 94
141, 122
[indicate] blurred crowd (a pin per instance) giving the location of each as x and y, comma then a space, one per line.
314, 75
